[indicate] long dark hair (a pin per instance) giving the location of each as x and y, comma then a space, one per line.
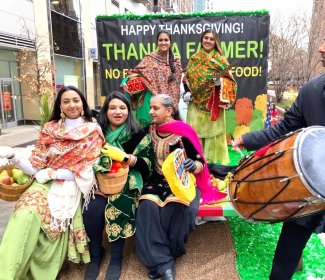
131, 125
57, 110
217, 45
171, 57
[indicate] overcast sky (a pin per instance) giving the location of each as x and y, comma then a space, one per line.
273, 6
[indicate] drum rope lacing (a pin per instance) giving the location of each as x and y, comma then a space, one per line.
247, 162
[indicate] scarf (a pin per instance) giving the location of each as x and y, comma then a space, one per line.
155, 71
207, 97
75, 149
118, 136
208, 193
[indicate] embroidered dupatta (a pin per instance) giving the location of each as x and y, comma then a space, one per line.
155, 71
74, 149
208, 193
207, 97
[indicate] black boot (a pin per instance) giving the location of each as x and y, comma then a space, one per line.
115, 264
154, 274
169, 274
92, 269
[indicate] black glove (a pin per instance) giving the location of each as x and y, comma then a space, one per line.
190, 165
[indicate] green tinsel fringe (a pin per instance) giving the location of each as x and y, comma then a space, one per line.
178, 16
255, 245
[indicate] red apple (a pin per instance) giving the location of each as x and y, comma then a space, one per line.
6, 180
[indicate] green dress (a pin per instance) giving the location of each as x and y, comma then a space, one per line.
206, 110
38, 252
121, 208
212, 134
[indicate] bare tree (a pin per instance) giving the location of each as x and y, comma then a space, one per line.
36, 73
35, 68
293, 51
316, 37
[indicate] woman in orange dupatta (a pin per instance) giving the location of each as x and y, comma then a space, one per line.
46, 225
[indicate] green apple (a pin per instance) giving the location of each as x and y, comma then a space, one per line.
20, 177
16, 173
23, 179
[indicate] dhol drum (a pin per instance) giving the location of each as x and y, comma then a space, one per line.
283, 180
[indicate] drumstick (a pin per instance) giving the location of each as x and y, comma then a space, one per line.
237, 149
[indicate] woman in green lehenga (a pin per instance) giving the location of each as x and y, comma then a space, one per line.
47, 225
213, 89
126, 142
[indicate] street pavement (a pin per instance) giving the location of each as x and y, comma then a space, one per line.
18, 138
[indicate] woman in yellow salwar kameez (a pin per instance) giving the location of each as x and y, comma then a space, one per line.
47, 225
213, 89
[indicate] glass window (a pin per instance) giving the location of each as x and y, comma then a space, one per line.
70, 8
66, 36
4, 69
7, 55
17, 91
69, 71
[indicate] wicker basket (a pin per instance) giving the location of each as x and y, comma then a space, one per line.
112, 183
8, 192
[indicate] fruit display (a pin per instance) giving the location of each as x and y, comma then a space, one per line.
116, 167
13, 182
14, 178
113, 180
221, 185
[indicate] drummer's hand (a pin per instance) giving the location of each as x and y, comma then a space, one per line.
238, 144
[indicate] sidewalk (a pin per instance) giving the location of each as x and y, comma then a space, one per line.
19, 136
16, 137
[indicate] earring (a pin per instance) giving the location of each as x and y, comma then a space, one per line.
82, 113
62, 115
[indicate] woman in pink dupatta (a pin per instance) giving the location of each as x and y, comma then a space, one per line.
164, 221
46, 226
